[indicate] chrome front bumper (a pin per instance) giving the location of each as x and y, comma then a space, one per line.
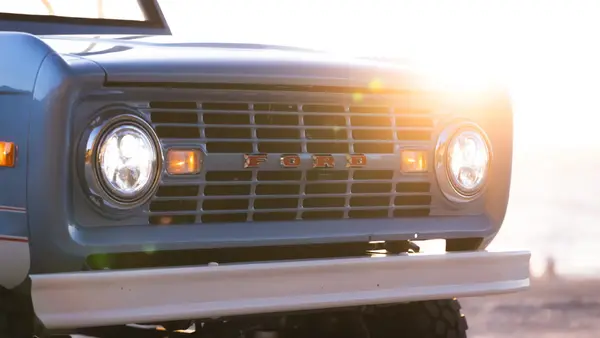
86, 299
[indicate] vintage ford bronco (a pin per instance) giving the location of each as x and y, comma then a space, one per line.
244, 190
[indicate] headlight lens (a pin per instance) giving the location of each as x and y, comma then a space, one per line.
462, 160
468, 158
127, 161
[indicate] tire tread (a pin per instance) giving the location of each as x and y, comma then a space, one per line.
425, 319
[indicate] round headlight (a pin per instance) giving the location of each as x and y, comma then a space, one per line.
127, 162
463, 159
468, 158
123, 162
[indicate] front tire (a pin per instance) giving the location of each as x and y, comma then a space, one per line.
17, 319
426, 319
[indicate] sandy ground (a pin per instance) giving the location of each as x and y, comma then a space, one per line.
564, 308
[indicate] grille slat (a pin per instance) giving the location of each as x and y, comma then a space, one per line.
289, 126
284, 182
232, 127
284, 195
296, 141
293, 113
294, 194
223, 207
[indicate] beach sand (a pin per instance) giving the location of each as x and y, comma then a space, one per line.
549, 309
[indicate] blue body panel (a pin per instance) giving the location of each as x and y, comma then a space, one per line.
167, 60
22, 57
55, 90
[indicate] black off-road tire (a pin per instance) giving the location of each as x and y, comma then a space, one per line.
17, 318
426, 319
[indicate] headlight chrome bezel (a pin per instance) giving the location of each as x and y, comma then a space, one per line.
98, 191
446, 182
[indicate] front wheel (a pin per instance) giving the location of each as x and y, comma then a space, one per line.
425, 319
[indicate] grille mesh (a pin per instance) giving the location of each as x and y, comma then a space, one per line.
284, 195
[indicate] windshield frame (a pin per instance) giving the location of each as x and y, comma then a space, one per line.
155, 23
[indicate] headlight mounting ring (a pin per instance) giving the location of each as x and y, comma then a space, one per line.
97, 191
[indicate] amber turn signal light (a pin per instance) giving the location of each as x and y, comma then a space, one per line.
414, 161
7, 154
184, 161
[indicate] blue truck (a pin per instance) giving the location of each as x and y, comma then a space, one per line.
239, 190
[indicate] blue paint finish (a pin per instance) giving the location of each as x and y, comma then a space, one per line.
14, 126
21, 58
13, 224
167, 59
223, 235
60, 83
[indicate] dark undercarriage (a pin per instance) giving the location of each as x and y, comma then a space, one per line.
199, 257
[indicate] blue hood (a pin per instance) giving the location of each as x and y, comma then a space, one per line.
165, 59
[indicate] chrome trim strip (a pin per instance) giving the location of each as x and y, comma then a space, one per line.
20, 239
6, 208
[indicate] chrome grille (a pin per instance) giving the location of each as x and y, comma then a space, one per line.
246, 195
